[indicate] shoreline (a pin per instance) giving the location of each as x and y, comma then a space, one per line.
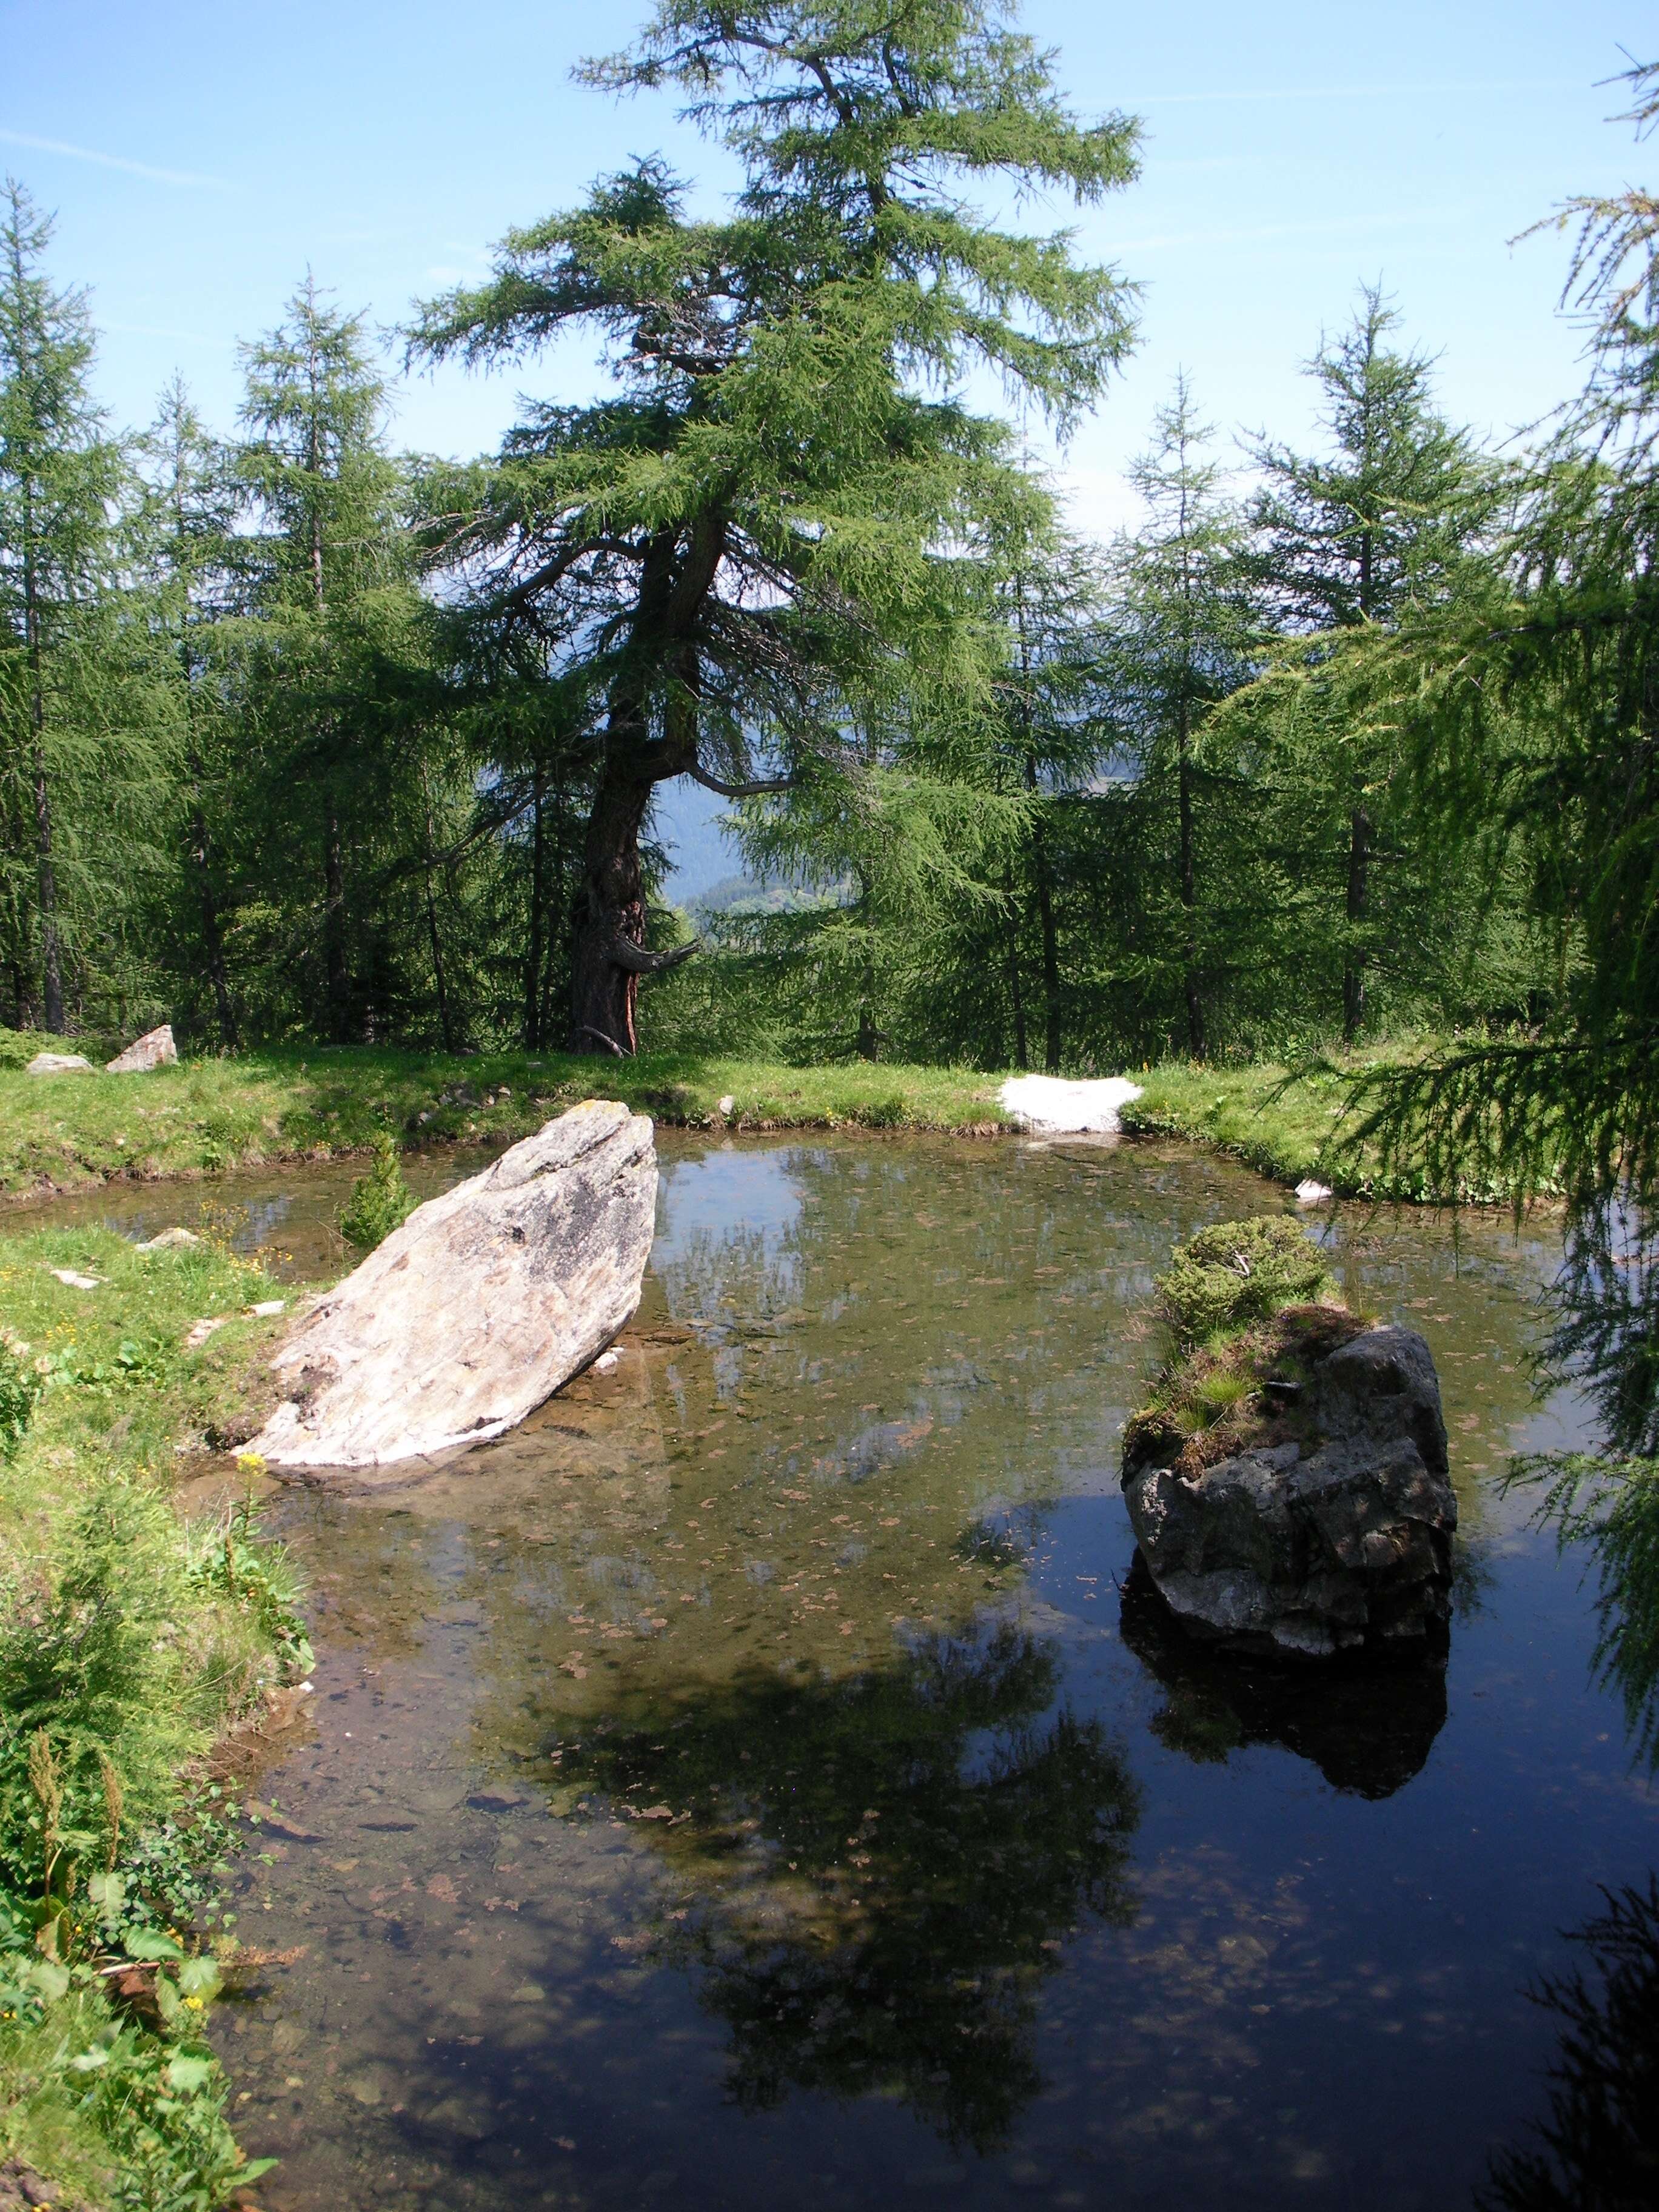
72, 1135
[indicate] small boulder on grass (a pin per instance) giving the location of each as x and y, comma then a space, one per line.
380, 1201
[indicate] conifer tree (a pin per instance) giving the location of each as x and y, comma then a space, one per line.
730, 557
59, 476
189, 568
328, 580
1362, 536
1533, 707
1179, 639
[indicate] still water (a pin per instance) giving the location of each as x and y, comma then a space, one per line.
760, 1781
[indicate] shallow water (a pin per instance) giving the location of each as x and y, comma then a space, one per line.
753, 1782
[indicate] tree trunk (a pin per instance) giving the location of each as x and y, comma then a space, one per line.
51, 961
1189, 896
532, 966
1354, 963
1045, 901
1022, 1048
446, 1028
334, 945
556, 917
213, 942
609, 907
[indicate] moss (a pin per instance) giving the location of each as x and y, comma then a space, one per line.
1250, 1305
1239, 1271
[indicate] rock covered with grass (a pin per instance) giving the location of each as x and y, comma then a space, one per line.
1288, 1484
478, 1306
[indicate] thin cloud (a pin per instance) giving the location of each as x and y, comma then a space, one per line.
114, 161
1346, 92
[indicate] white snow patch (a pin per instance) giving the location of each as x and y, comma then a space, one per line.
1051, 1106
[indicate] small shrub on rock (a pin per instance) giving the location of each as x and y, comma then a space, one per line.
380, 1201
1238, 1273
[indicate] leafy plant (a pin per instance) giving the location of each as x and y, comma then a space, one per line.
380, 1201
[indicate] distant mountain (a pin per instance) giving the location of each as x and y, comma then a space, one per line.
686, 821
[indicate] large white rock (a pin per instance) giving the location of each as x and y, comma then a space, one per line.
155, 1048
480, 1306
1048, 1106
59, 1063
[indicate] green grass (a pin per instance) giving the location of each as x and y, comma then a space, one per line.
1289, 1128
129, 1643
67, 1131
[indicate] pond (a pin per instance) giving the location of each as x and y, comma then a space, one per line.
759, 1780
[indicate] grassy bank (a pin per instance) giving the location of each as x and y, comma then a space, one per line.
1288, 1129
67, 1132
130, 1643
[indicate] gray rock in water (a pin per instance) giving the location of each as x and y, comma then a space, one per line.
479, 1306
155, 1048
60, 1063
1305, 1551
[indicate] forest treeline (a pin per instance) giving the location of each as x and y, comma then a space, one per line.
308, 738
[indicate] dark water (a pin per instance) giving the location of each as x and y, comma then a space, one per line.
754, 1783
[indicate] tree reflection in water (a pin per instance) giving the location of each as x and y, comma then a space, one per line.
1367, 1727
1598, 2150
882, 1869
1605, 1338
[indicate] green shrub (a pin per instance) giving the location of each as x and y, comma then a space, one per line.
380, 1200
1237, 1273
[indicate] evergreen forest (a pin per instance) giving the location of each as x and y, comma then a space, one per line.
307, 739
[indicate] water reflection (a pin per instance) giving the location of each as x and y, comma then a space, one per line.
823, 1572
1367, 1728
1604, 1333
1599, 2149
882, 1871
1604, 1339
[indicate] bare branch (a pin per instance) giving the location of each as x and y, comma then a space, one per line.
758, 788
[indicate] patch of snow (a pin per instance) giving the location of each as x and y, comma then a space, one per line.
1051, 1106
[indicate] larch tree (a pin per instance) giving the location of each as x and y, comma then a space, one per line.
327, 582
1180, 637
784, 500
59, 476
189, 560
1532, 712
1372, 531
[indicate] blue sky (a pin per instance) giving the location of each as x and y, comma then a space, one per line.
200, 156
